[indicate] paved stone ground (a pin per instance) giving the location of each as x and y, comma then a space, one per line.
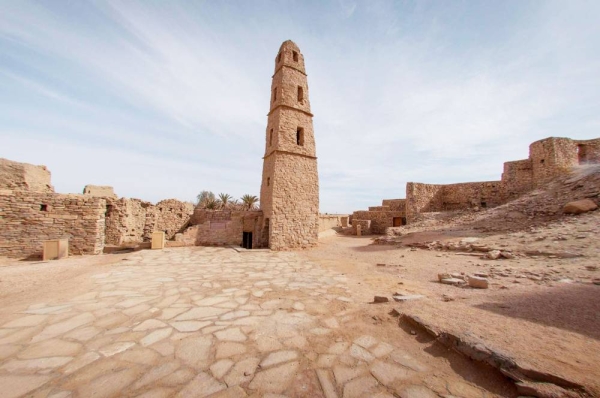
198, 322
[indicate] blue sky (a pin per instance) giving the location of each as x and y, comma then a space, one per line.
165, 99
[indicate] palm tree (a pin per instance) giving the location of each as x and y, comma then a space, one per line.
249, 201
225, 199
211, 204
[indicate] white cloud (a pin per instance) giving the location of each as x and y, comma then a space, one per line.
432, 92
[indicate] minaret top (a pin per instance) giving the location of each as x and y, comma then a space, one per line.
289, 55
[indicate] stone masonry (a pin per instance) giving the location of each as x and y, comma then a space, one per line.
548, 159
29, 218
290, 185
24, 177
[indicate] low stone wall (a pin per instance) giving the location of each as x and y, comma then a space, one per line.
329, 221
223, 227
380, 220
365, 227
24, 177
29, 218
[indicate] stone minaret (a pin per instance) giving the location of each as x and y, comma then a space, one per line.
289, 194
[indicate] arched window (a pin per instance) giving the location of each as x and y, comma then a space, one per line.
300, 94
271, 138
295, 54
268, 181
279, 58
275, 94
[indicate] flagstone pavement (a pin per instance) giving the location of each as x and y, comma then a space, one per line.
208, 322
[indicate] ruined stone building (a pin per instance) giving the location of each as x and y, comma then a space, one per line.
31, 212
548, 159
290, 185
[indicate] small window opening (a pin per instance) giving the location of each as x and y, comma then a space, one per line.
271, 138
268, 181
295, 56
109, 210
43, 207
279, 58
483, 204
300, 94
300, 136
542, 161
275, 94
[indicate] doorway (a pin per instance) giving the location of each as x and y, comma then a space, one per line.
247, 240
397, 221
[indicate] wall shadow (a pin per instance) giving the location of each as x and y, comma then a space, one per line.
572, 307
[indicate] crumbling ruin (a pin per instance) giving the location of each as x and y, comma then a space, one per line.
548, 159
31, 212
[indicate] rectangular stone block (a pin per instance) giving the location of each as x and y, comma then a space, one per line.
55, 249
158, 240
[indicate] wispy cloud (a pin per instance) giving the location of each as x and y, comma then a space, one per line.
433, 92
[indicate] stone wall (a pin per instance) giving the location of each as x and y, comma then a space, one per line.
133, 220
365, 227
24, 177
394, 204
472, 194
422, 198
223, 227
329, 221
103, 191
517, 178
380, 220
173, 216
29, 218
554, 156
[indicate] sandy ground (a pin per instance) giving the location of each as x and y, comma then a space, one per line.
541, 310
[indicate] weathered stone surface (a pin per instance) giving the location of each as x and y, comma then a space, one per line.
478, 282
274, 379
580, 206
201, 386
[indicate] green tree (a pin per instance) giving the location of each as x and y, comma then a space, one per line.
249, 201
204, 197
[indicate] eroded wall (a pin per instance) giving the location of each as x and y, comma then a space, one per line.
133, 220
29, 218
24, 177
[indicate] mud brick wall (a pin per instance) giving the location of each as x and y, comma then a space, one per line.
29, 218
517, 178
24, 177
380, 220
223, 227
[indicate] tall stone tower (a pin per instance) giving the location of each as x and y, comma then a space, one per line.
289, 194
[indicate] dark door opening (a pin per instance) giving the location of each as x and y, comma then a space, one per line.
403, 220
247, 240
